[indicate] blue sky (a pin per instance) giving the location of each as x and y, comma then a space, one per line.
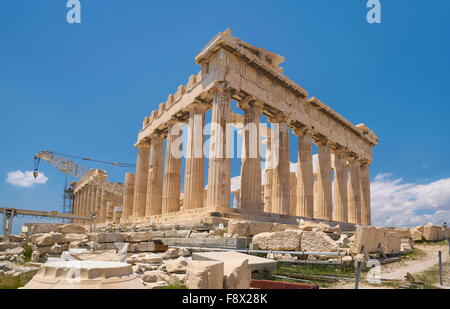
84, 89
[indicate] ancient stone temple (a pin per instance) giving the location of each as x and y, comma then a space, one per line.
95, 196
331, 185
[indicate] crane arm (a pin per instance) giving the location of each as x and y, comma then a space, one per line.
66, 166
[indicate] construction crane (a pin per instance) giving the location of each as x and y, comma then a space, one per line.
75, 170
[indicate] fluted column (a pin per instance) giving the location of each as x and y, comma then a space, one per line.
98, 200
103, 205
340, 196
219, 173
354, 191
140, 183
305, 189
293, 200
93, 199
128, 197
155, 176
268, 175
85, 201
323, 206
281, 166
251, 161
364, 174
75, 203
194, 181
172, 169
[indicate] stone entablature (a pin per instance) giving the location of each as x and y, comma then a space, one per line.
224, 59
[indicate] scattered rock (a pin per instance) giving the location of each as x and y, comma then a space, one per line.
14, 251
317, 242
176, 266
151, 276
171, 253
184, 252
48, 239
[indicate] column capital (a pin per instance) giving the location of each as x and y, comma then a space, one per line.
172, 121
156, 135
337, 149
351, 157
323, 141
143, 144
363, 162
250, 103
279, 118
223, 89
303, 131
198, 107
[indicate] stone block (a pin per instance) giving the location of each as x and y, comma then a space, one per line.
72, 229
68, 238
317, 242
417, 234
392, 244
432, 232
239, 227
205, 275
289, 240
138, 237
237, 274
107, 237
142, 247
48, 239
368, 237
259, 227
43, 228
280, 227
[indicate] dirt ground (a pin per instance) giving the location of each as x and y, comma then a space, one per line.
398, 270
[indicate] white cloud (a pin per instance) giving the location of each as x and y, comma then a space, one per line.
395, 203
25, 179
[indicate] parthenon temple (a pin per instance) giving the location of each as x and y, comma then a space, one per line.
332, 185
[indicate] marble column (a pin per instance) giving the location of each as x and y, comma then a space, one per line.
219, 168
305, 189
281, 166
354, 191
340, 204
172, 169
194, 182
293, 201
155, 176
324, 207
251, 161
75, 203
98, 199
364, 174
85, 201
128, 197
140, 183
268, 174
103, 205
93, 199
